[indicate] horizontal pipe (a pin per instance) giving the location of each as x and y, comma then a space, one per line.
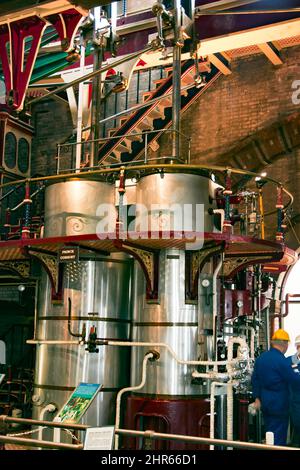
171, 351
36, 422
199, 440
37, 443
50, 341
138, 344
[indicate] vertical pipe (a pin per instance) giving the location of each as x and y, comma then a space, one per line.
25, 233
137, 87
267, 320
96, 93
262, 216
146, 148
58, 159
80, 108
176, 93
189, 151
215, 305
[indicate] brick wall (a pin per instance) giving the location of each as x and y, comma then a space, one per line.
255, 94
53, 125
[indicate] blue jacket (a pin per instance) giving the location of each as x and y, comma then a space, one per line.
271, 380
294, 363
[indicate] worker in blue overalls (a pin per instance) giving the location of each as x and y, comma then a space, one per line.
271, 379
294, 363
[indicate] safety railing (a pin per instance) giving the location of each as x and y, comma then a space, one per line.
149, 434
85, 149
228, 201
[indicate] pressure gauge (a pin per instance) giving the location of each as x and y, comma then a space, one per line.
205, 283
239, 303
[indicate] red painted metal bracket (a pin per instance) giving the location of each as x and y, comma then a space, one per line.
20, 70
66, 24
17, 69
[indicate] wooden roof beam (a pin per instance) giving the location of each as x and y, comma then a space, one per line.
221, 61
271, 52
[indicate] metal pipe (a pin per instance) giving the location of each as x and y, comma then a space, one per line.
215, 305
58, 159
96, 87
189, 151
199, 440
148, 356
93, 74
37, 422
267, 320
50, 408
176, 80
80, 105
146, 148
37, 443
164, 345
50, 341
138, 344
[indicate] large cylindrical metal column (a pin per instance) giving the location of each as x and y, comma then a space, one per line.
99, 292
96, 293
170, 399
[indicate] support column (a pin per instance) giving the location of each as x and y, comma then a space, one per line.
176, 96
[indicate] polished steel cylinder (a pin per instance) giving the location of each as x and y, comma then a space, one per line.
174, 202
170, 321
169, 202
72, 207
98, 289
100, 297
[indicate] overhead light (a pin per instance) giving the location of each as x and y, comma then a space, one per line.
264, 174
21, 288
258, 178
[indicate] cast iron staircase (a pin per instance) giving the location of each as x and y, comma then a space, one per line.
157, 116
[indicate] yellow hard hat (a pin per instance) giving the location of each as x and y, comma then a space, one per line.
281, 335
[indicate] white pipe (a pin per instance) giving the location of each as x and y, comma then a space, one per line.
243, 345
252, 339
50, 408
215, 304
243, 351
50, 341
222, 214
130, 389
210, 375
171, 351
229, 436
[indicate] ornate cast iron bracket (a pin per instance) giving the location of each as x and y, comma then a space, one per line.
194, 262
54, 270
21, 268
149, 262
232, 265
